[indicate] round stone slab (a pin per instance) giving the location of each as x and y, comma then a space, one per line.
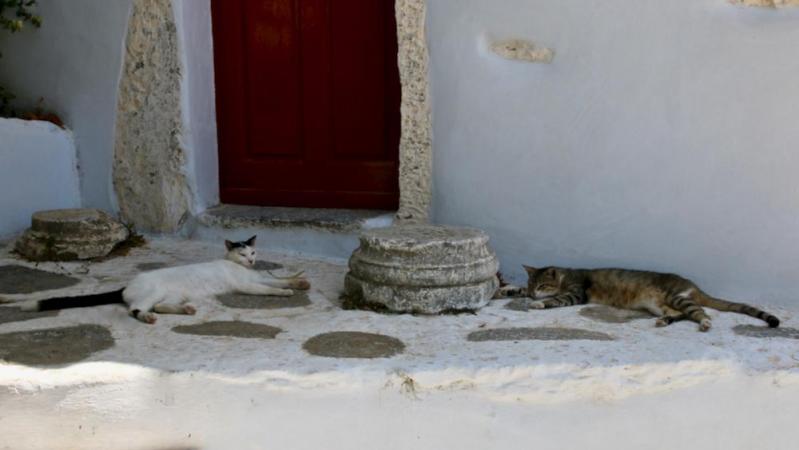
233, 328
15, 314
148, 266
267, 265
519, 304
439, 256
241, 301
765, 332
54, 346
421, 299
537, 334
608, 314
24, 280
70, 234
423, 269
353, 344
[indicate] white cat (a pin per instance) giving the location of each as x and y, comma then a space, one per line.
170, 290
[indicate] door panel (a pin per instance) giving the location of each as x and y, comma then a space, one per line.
308, 98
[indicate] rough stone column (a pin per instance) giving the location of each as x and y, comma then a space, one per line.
151, 187
416, 158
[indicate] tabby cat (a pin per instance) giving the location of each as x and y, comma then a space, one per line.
668, 296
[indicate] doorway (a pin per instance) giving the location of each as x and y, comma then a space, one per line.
308, 102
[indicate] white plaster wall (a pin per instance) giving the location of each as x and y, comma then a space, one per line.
663, 136
37, 171
193, 19
73, 62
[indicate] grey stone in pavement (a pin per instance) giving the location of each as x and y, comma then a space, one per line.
15, 314
763, 331
148, 266
70, 234
353, 344
537, 334
608, 314
259, 265
24, 280
54, 346
519, 304
232, 328
241, 301
267, 265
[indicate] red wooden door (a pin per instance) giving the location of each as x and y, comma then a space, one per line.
308, 98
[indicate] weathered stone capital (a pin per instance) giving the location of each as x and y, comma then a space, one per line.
70, 234
423, 269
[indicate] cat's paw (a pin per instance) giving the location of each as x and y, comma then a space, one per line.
704, 325
148, 317
285, 292
301, 284
189, 309
509, 291
663, 321
537, 304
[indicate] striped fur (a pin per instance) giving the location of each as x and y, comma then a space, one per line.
668, 296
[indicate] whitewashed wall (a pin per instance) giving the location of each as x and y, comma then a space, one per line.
73, 63
37, 171
663, 136
193, 18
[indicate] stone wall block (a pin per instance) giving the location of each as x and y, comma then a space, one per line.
149, 160
416, 168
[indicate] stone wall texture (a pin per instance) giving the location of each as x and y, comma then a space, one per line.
416, 159
522, 50
149, 159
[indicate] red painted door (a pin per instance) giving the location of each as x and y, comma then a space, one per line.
308, 98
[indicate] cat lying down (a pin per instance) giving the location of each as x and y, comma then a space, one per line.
170, 290
668, 296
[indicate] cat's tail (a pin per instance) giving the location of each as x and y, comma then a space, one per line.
80, 301
740, 308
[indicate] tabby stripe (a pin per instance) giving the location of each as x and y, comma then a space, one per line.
691, 309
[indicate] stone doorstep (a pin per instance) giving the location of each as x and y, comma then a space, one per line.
329, 233
332, 220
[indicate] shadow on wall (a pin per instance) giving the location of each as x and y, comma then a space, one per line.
38, 171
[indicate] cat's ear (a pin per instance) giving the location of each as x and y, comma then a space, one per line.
228, 245
530, 270
251, 241
551, 272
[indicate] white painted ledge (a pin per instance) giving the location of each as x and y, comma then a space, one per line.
38, 170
